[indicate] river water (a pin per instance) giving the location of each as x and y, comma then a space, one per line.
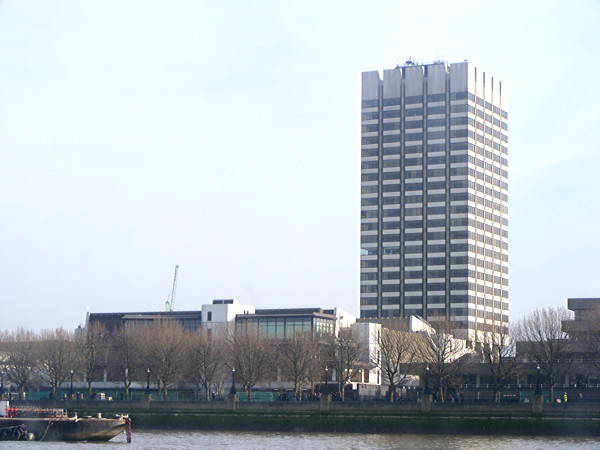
177, 440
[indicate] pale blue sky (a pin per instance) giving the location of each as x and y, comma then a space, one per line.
224, 137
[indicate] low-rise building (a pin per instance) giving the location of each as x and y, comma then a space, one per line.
219, 312
586, 321
285, 323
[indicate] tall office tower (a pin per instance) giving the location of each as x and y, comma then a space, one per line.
434, 215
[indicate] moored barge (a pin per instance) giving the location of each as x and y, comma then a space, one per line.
26, 423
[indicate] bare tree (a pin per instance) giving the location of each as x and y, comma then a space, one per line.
397, 351
498, 355
343, 354
92, 349
163, 348
296, 359
21, 350
205, 361
443, 354
544, 342
251, 355
124, 357
317, 361
58, 357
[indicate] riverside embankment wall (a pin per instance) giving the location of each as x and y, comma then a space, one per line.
582, 419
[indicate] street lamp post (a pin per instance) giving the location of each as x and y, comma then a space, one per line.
71, 387
427, 390
232, 391
1, 383
148, 381
326, 388
538, 386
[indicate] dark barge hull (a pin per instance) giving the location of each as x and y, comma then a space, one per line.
68, 429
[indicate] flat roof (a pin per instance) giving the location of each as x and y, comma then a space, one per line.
146, 313
583, 303
290, 315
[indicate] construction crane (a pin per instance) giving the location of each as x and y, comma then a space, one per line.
170, 303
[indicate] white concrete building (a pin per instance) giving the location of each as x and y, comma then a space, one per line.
223, 311
367, 336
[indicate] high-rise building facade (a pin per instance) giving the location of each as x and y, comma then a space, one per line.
434, 214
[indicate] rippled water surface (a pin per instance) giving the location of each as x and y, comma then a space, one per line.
208, 440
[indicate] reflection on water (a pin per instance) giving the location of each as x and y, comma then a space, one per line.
177, 440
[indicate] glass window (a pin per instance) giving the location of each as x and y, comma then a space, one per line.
436, 223
412, 124
436, 98
436, 261
391, 113
413, 262
412, 112
436, 185
414, 99
372, 115
412, 212
458, 96
436, 173
391, 150
413, 287
370, 103
394, 187
388, 126
436, 148
436, 210
458, 108
391, 101
436, 110
370, 152
412, 137
436, 134
436, 122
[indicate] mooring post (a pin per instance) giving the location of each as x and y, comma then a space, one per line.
232, 400
537, 405
128, 429
325, 403
426, 402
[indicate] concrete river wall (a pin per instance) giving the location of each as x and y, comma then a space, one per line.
556, 419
